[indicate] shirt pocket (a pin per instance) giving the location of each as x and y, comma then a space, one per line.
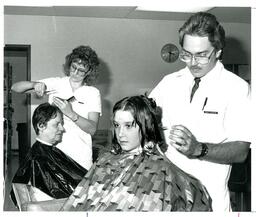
212, 121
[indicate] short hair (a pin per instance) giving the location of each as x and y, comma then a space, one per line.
146, 115
43, 113
204, 24
88, 58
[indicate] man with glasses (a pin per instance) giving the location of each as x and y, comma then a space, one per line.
205, 109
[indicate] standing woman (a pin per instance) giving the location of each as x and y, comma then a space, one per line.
77, 99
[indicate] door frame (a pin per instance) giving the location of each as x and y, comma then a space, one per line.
27, 50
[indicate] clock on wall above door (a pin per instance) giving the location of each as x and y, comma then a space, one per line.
169, 53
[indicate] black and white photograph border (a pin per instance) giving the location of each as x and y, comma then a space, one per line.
208, 3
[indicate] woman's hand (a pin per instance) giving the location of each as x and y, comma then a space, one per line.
39, 88
64, 106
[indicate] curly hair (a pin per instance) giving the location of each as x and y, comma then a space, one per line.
146, 116
89, 59
204, 24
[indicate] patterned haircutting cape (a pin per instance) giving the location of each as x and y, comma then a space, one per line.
137, 182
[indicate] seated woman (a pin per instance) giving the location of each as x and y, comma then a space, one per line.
136, 176
45, 166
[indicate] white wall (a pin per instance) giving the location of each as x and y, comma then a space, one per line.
129, 50
238, 44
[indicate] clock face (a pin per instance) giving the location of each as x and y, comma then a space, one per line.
169, 53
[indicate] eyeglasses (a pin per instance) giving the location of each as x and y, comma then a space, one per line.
199, 58
80, 71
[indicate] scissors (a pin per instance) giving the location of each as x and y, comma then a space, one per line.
47, 92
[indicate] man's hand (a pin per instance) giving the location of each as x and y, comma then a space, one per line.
184, 141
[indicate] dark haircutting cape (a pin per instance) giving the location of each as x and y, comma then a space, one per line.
49, 169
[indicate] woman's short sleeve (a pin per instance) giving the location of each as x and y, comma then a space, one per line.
91, 97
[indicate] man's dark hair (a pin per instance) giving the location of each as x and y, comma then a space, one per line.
205, 25
42, 114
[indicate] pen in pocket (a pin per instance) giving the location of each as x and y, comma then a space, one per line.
205, 102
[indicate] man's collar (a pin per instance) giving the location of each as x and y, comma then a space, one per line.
44, 142
214, 73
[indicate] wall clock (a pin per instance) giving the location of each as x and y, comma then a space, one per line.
169, 53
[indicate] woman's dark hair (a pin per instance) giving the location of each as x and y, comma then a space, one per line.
42, 114
204, 24
88, 57
146, 115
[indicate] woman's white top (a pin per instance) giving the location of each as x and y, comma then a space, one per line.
75, 142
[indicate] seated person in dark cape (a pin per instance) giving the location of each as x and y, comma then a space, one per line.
45, 166
136, 175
